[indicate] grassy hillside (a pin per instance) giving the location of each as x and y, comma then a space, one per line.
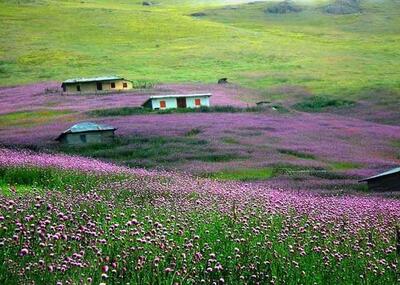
327, 54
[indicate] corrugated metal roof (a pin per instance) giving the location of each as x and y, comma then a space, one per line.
180, 95
88, 127
92, 79
392, 171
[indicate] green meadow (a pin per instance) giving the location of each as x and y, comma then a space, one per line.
31, 118
334, 55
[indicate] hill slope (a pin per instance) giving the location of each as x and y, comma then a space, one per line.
343, 54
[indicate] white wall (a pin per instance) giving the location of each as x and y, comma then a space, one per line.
204, 101
171, 103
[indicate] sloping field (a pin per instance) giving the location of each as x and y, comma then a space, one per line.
279, 146
341, 55
298, 150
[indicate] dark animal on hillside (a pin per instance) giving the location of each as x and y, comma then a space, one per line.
198, 14
223, 80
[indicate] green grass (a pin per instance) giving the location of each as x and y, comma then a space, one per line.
329, 175
335, 55
9, 190
114, 112
296, 153
244, 174
26, 178
344, 165
230, 140
276, 170
320, 103
251, 174
30, 118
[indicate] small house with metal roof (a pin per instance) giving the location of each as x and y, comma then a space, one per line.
87, 132
96, 84
385, 181
162, 102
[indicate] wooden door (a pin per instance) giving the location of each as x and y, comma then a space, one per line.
181, 102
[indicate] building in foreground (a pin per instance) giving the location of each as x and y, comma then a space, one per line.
162, 102
87, 132
96, 84
386, 181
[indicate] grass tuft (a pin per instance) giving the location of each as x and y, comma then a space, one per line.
297, 153
243, 174
193, 132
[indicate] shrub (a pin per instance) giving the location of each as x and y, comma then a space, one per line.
283, 8
114, 112
319, 103
343, 7
193, 132
143, 84
330, 175
127, 111
297, 153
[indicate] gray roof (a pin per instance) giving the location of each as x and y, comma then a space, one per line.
180, 95
389, 172
93, 79
86, 127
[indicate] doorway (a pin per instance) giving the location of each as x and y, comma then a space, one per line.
99, 86
181, 102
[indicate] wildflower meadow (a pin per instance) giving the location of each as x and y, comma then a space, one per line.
263, 185
116, 226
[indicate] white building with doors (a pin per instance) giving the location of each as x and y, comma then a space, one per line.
162, 102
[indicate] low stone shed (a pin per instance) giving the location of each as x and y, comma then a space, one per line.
87, 132
386, 181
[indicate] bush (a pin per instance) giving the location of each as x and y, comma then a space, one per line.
128, 111
330, 175
193, 132
114, 112
343, 7
319, 103
143, 84
297, 153
283, 8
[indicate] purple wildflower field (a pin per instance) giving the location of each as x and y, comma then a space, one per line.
146, 229
258, 138
350, 148
34, 97
25, 158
